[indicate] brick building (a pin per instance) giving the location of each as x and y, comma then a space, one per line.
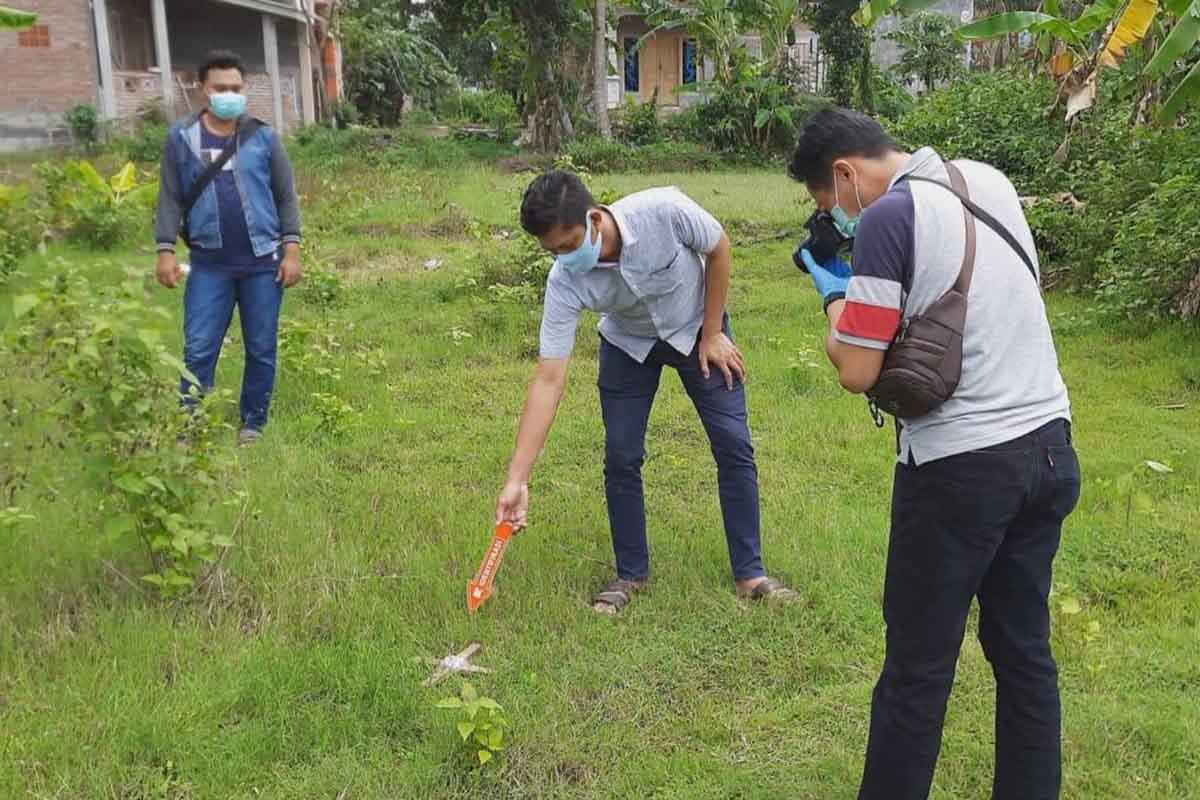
115, 54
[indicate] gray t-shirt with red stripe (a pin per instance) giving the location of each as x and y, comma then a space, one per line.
907, 253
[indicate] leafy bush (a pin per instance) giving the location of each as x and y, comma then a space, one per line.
481, 723
638, 123
145, 146
892, 100
156, 468
929, 50
103, 213
84, 123
385, 63
22, 227
344, 114
996, 118
487, 107
522, 263
755, 112
1154, 263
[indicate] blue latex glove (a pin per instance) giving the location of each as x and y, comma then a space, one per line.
831, 280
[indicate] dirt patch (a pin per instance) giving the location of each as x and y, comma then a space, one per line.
381, 230
453, 223
525, 163
365, 269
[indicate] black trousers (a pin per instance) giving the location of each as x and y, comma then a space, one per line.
984, 524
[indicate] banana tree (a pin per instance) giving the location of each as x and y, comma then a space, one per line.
1069, 44
12, 19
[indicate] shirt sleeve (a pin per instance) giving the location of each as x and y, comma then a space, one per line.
694, 227
560, 318
883, 255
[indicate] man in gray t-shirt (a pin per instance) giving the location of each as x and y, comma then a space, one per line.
984, 481
656, 266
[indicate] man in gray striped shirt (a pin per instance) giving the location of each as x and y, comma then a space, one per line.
656, 266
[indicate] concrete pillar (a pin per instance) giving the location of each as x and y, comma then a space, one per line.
308, 102
108, 92
271, 48
162, 52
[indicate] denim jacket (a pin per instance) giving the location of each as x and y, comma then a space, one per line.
263, 175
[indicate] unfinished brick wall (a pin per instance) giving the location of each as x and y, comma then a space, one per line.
54, 78
137, 91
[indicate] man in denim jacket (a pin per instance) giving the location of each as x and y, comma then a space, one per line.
243, 234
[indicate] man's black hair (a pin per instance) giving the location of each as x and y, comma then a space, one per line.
555, 198
221, 59
834, 133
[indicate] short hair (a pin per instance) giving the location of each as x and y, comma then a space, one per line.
834, 133
555, 198
220, 59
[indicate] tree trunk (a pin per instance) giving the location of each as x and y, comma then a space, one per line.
600, 67
547, 113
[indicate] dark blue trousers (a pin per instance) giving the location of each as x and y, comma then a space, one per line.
208, 303
984, 524
627, 391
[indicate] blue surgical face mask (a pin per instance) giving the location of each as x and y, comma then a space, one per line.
227, 105
845, 223
584, 257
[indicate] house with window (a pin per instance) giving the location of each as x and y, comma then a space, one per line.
666, 61
131, 57
667, 64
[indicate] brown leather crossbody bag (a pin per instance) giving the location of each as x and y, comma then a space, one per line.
923, 365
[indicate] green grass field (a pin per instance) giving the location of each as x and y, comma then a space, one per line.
298, 673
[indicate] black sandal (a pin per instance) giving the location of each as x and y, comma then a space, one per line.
772, 591
617, 594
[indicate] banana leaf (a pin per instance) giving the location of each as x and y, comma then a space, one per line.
1178, 43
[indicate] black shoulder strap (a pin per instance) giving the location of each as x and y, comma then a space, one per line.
244, 132
986, 219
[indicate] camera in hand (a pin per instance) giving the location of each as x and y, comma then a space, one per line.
824, 240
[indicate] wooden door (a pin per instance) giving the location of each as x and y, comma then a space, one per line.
660, 62
670, 67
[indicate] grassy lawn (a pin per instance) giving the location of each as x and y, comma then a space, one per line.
298, 675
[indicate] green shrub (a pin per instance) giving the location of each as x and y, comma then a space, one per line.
145, 146
1154, 263
22, 227
600, 155
98, 212
344, 114
996, 118
757, 112
156, 468
892, 100
84, 123
487, 107
638, 123
522, 263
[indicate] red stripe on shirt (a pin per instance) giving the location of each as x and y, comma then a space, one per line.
866, 321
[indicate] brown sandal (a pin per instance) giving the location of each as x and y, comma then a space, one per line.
617, 595
772, 591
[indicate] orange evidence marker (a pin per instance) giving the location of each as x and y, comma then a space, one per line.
480, 589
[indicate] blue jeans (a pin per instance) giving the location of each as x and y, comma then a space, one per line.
627, 391
984, 524
208, 303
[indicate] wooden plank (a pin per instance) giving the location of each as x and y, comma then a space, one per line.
162, 52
